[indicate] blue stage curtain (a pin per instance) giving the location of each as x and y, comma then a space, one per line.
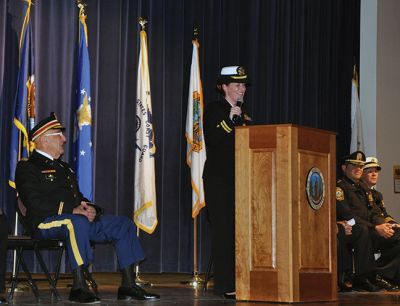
299, 55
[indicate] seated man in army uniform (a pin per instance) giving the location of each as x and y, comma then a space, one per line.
353, 205
57, 209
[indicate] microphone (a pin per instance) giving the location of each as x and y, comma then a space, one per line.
236, 118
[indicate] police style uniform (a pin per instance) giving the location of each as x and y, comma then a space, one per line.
378, 201
49, 190
372, 162
350, 199
219, 184
355, 200
389, 261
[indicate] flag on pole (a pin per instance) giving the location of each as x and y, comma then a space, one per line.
357, 138
145, 214
196, 147
83, 150
24, 101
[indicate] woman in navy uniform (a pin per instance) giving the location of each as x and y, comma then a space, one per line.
57, 209
220, 119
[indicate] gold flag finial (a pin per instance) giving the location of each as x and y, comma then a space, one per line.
195, 32
355, 74
142, 22
81, 6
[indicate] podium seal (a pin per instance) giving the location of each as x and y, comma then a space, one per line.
315, 188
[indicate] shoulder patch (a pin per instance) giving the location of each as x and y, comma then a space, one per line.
339, 194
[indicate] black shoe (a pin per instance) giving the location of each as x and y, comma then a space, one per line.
384, 284
82, 296
363, 284
230, 295
135, 292
3, 301
344, 288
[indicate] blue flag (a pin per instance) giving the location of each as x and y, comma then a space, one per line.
83, 150
24, 101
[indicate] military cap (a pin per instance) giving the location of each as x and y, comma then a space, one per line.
372, 162
233, 74
44, 125
355, 158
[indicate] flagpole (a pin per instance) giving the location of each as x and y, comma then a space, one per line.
138, 279
30, 109
196, 280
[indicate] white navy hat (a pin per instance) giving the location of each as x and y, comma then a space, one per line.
372, 162
233, 74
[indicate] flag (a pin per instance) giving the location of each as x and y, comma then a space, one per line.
196, 147
145, 214
83, 150
357, 138
24, 101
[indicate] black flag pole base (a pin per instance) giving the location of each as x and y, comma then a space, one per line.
195, 282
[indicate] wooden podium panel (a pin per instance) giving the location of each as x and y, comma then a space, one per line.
285, 249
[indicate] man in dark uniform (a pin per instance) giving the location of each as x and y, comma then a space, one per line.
389, 261
3, 255
57, 209
220, 119
354, 205
370, 177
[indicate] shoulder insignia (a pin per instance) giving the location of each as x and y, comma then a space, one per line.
339, 194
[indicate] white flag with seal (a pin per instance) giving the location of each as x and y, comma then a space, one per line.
196, 147
145, 214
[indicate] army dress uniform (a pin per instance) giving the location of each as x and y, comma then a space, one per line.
49, 190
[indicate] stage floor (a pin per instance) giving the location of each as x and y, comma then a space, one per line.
173, 292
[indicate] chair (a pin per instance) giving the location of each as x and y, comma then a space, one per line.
25, 242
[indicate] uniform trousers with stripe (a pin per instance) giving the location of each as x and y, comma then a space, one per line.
77, 231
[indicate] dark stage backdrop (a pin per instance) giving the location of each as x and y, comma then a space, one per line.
299, 55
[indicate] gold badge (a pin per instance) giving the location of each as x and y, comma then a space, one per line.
339, 194
240, 71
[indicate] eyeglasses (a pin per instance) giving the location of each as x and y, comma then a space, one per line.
53, 134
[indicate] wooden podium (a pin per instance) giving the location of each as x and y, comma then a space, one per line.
285, 249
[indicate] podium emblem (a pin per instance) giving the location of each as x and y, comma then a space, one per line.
315, 188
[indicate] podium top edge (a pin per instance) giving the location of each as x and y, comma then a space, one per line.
286, 125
